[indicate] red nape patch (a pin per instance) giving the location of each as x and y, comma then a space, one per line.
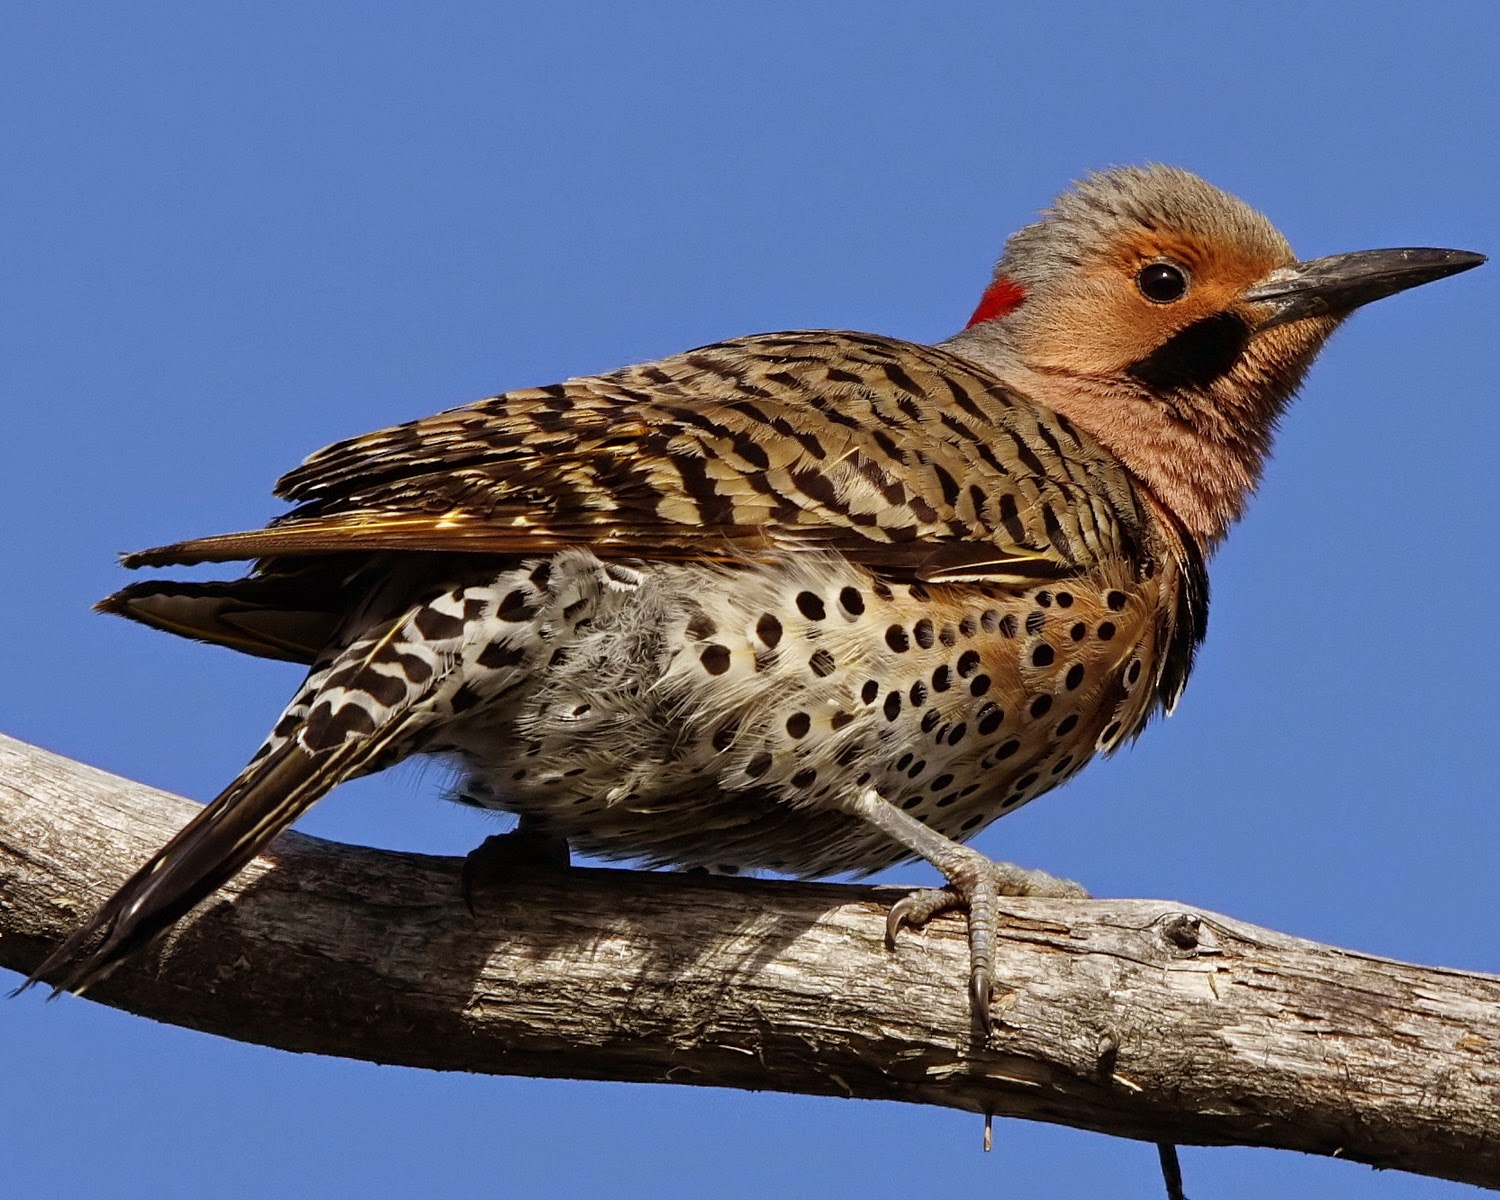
1001, 299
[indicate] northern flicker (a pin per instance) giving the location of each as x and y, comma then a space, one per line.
809, 603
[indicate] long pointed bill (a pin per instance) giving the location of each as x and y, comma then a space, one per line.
1340, 283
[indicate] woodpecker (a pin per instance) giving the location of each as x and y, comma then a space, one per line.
808, 603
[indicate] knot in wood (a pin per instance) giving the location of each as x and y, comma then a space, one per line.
1182, 930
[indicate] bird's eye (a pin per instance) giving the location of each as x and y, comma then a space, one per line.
1162, 282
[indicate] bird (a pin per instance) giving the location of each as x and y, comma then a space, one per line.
806, 603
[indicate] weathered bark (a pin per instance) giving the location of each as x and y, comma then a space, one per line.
1133, 1017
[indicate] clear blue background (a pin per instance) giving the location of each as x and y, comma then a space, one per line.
232, 233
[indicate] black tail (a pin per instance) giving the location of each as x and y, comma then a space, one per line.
266, 797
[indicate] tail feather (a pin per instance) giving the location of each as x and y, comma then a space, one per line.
287, 610
266, 797
364, 703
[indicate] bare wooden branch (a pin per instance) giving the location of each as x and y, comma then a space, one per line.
1133, 1017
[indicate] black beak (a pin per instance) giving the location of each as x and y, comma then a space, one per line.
1340, 283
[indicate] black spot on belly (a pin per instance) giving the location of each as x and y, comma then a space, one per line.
851, 601
990, 719
768, 629
811, 606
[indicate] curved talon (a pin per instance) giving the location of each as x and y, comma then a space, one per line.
902, 913
981, 986
918, 907
894, 920
975, 884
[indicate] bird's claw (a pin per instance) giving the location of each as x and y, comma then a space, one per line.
975, 885
918, 907
523, 848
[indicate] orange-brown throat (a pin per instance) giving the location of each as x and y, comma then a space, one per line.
1192, 420
1198, 444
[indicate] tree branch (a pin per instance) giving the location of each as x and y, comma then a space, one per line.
1132, 1017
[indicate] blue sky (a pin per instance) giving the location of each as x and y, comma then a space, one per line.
231, 234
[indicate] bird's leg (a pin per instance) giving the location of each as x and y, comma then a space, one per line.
529, 846
975, 884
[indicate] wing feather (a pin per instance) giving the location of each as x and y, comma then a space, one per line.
902, 457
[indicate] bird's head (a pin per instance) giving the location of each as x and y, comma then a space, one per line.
1173, 323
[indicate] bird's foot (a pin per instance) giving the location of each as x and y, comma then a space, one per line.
497, 857
975, 885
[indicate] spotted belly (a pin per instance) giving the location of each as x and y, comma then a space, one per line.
723, 716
